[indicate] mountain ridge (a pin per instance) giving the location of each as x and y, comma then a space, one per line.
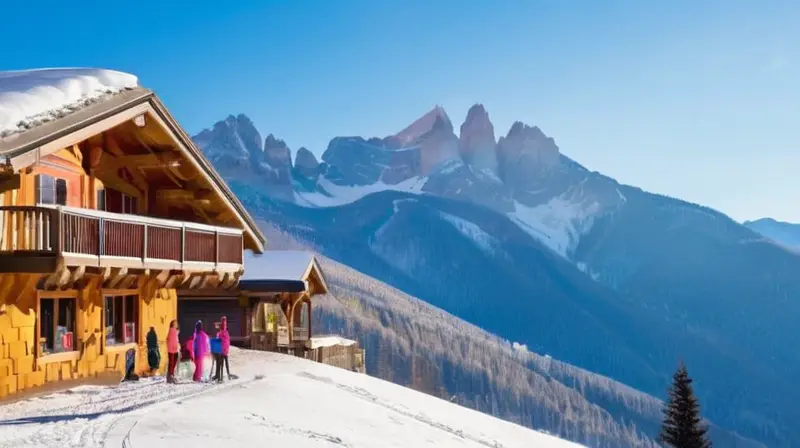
669, 261
410, 342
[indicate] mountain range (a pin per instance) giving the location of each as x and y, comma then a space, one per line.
783, 233
513, 236
414, 344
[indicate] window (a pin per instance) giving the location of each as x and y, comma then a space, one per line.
304, 315
117, 202
56, 325
101, 199
128, 204
51, 190
121, 319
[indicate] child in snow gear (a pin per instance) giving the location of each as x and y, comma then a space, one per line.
153, 353
130, 365
173, 350
225, 338
216, 363
200, 349
185, 369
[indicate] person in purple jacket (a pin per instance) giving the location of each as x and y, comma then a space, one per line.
201, 348
225, 338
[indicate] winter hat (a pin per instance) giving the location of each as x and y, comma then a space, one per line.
198, 326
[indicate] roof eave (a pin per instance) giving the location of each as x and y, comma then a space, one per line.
24, 149
19, 148
257, 236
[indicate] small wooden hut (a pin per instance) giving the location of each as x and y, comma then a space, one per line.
270, 310
338, 352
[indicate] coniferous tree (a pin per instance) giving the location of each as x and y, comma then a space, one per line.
682, 426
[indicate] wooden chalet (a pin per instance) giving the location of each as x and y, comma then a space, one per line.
271, 308
338, 352
105, 213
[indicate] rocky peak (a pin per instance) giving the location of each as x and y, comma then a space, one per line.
305, 163
435, 118
277, 154
528, 142
525, 151
477, 142
235, 138
272, 142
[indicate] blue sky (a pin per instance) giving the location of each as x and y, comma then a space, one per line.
694, 99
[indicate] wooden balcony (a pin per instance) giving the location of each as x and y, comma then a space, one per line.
35, 239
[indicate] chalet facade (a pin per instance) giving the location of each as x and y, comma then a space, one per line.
105, 213
271, 307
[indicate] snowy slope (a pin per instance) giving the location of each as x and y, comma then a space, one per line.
278, 401
31, 97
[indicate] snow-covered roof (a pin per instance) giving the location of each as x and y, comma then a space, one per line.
281, 265
32, 97
330, 341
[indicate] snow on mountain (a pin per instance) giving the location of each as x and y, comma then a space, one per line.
634, 263
522, 175
473, 232
31, 97
558, 224
234, 138
333, 195
277, 400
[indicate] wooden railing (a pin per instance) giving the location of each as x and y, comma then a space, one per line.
111, 238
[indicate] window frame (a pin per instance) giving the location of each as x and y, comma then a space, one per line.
126, 295
100, 199
57, 181
128, 204
55, 296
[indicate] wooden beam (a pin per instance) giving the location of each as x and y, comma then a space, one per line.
117, 275
184, 171
117, 159
128, 282
151, 160
195, 281
77, 273
112, 179
161, 277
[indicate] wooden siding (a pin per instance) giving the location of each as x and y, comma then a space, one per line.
22, 367
211, 311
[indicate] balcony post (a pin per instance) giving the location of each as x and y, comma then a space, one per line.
183, 243
56, 229
216, 247
144, 245
101, 235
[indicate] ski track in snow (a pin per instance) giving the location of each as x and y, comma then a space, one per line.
279, 400
85, 414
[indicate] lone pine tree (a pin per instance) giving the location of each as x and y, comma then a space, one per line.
682, 426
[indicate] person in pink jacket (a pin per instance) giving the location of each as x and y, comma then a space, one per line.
200, 348
173, 349
225, 338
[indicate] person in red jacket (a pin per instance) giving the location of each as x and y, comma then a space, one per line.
173, 349
225, 338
